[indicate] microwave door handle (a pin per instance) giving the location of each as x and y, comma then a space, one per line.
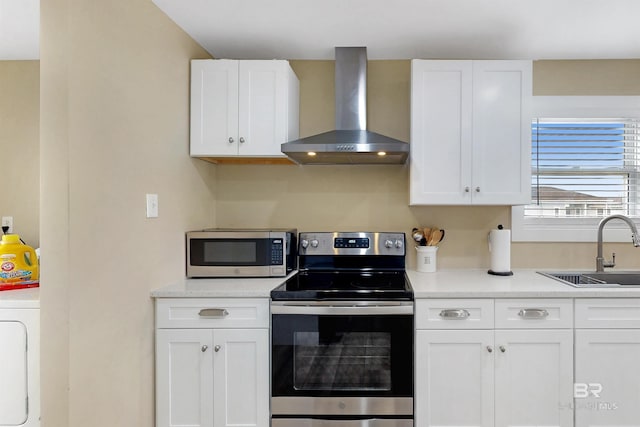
213, 312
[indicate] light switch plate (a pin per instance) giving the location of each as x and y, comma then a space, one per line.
152, 206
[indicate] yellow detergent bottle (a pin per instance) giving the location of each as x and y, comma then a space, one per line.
18, 262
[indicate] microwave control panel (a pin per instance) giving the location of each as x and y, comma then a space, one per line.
277, 252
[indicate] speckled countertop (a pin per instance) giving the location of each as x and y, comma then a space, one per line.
462, 283
455, 283
221, 288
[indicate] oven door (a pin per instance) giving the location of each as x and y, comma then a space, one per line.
342, 358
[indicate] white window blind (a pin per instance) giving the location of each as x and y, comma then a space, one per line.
584, 168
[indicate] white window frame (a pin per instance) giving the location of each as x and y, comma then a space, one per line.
573, 229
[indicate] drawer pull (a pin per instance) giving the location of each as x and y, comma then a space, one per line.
533, 313
213, 312
455, 314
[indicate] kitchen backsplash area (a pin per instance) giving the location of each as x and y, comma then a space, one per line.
327, 198
322, 198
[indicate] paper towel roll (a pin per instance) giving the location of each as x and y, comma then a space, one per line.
500, 251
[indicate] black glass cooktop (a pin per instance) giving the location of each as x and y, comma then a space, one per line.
345, 285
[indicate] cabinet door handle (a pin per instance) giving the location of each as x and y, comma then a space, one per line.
490, 349
477, 189
213, 312
241, 140
204, 348
502, 348
230, 140
533, 313
467, 189
458, 313
217, 348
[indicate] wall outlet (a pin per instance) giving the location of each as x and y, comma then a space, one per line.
152, 206
7, 221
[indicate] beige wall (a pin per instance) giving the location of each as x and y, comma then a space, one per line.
376, 197
19, 146
115, 81
581, 77
114, 126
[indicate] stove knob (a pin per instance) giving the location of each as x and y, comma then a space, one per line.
304, 243
314, 243
399, 243
388, 244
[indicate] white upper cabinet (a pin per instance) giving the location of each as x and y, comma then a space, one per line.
470, 132
242, 108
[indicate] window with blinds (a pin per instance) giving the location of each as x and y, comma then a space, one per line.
584, 168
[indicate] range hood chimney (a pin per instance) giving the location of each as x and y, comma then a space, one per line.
350, 143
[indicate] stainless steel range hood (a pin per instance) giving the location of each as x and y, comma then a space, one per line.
350, 143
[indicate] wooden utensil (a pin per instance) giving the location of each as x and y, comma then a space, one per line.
435, 237
427, 235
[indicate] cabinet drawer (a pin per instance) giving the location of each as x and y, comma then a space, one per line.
454, 314
607, 313
534, 313
212, 313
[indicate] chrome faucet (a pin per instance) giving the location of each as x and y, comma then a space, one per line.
635, 238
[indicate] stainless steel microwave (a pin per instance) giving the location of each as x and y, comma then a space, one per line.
241, 253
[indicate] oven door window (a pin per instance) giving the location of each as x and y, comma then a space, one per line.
322, 355
342, 361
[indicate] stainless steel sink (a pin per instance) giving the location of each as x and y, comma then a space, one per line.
596, 280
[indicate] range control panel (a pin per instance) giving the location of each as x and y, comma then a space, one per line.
352, 243
349, 242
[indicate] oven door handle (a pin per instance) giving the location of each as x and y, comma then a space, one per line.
341, 308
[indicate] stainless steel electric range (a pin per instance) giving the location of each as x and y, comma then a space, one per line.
342, 334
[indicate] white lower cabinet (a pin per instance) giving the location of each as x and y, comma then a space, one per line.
212, 376
19, 367
607, 362
493, 377
454, 378
241, 378
184, 378
533, 377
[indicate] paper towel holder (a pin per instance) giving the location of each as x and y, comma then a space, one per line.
500, 273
